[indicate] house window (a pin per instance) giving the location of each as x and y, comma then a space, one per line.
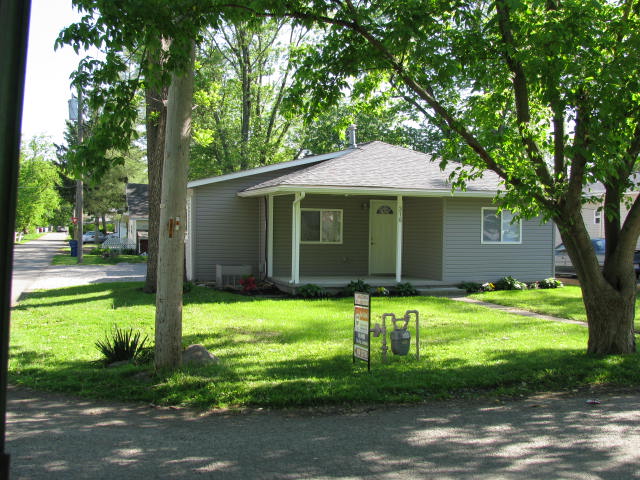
320, 225
597, 216
500, 227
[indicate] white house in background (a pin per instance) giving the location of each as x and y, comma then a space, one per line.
374, 211
134, 223
593, 213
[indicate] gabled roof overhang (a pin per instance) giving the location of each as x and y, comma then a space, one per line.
383, 191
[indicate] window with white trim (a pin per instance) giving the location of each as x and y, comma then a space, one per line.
319, 225
597, 216
500, 227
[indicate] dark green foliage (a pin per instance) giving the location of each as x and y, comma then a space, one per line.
187, 287
357, 286
550, 283
470, 287
122, 345
510, 283
380, 292
406, 290
311, 291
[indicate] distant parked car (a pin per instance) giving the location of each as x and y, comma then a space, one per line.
563, 262
92, 237
62, 229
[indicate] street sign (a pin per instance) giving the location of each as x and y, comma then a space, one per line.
361, 327
74, 220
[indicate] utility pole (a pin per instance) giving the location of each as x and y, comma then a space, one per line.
75, 114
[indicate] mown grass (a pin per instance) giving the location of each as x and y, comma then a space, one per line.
286, 353
88, 259
565, 302
27, 237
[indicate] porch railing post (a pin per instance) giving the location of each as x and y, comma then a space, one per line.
270, 236
399, 219
295, 238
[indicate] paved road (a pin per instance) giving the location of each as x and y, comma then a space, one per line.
546, 437
32, 269
54, 437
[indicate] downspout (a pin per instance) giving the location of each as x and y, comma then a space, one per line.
295, 238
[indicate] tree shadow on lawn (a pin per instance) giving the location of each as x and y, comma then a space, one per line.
257, 379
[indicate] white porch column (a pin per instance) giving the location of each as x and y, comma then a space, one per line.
295, 238
270, 236
399, 208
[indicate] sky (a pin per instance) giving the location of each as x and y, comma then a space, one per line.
47, 83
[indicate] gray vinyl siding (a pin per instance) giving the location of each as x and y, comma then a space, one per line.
466, 259
228, 229
349, 258
422, 238
282, 235
352, 256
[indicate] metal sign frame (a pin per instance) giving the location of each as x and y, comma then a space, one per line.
361, 328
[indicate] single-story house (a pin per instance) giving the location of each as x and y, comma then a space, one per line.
374, 211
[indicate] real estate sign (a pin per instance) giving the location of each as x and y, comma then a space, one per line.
361, 327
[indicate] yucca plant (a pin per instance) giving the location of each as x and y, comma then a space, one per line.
122, 345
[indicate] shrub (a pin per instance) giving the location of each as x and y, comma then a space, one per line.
470, 287
550, 283
99, 251
248, 284
311, 290
122, 345
406, 290
380, 292
473, 287
510, 283
357, 286
187, 287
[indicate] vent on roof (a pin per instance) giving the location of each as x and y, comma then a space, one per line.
351, 136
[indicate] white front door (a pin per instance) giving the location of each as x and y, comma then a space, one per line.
382, 236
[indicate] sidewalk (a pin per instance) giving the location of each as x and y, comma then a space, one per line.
32, 269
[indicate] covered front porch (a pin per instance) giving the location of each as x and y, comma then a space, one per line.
331, 240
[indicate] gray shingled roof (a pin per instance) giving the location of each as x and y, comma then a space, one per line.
138, 200
378, 165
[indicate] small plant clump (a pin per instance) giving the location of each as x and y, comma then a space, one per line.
510, 283
380, 292
249, 284
406, 290
311, 290
121, 346
357, 286
550, 283
474, 287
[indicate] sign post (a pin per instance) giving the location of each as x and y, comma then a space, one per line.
361, 324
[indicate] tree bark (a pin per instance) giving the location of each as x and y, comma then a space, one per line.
156, 120
608, 294
168, 336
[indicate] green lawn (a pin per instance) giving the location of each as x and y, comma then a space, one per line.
565, 302
298, 352
88, 259
30, 236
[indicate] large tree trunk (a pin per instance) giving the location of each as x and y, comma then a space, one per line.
609, 295
156, 121
610, 314
168, 349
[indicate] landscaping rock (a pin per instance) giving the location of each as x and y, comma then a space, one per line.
198, 355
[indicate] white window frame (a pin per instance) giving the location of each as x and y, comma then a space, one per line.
498, 242
320, 210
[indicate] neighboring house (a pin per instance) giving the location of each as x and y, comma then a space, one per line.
376, 212
134, 223
593, 213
